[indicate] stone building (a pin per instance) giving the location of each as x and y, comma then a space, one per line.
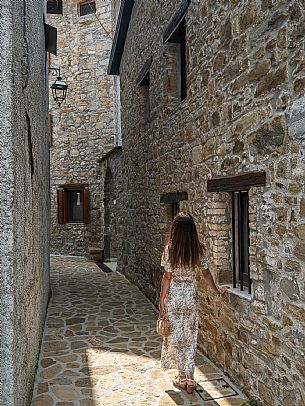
212, 97
24, 196
85, 127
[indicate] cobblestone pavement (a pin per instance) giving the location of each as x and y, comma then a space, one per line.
100, 347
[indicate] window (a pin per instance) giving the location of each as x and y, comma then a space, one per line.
240, 240
88, 7
176, 34
144, 83
175, 209
182, 60
172, 200
54, 6
73, 204
179, 39
239, 186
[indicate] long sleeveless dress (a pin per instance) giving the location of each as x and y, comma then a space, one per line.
181, 305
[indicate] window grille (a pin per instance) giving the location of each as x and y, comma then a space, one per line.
240, 240
238, 186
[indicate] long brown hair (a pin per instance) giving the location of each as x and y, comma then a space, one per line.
183, 242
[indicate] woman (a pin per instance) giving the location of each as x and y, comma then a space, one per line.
182, 257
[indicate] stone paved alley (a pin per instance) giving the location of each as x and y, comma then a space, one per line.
100, 347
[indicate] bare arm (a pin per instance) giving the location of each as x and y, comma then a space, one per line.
165, 284
206, 273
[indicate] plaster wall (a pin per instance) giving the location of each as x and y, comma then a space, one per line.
24, 190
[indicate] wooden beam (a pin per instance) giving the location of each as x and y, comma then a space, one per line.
173, 197
235, 183
74, 186
175, 22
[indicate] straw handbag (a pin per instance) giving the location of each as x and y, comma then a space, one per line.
163, 328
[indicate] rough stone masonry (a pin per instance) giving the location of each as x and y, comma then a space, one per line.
244, 112
83, 128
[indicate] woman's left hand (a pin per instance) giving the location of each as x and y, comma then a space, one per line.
222, 290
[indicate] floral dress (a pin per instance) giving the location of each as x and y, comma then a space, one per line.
181, 304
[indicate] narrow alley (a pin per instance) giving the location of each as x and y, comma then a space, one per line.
100, 347
132, 128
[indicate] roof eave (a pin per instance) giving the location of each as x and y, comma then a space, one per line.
120, 37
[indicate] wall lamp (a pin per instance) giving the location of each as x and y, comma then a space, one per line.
59, 87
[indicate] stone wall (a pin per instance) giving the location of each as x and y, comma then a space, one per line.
83, 128
244, 112
24, 196
112, 205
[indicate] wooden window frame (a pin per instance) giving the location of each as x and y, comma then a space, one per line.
58, 9
84, 3
238, 187
62, 202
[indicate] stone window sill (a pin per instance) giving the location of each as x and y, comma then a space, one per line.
91, 15
236, 291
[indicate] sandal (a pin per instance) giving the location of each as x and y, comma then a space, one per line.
190, 385
180, 382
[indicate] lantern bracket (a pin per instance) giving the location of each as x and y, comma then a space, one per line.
59, 87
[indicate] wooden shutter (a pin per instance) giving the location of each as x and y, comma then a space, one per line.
60, 206
54, 6
86, 206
